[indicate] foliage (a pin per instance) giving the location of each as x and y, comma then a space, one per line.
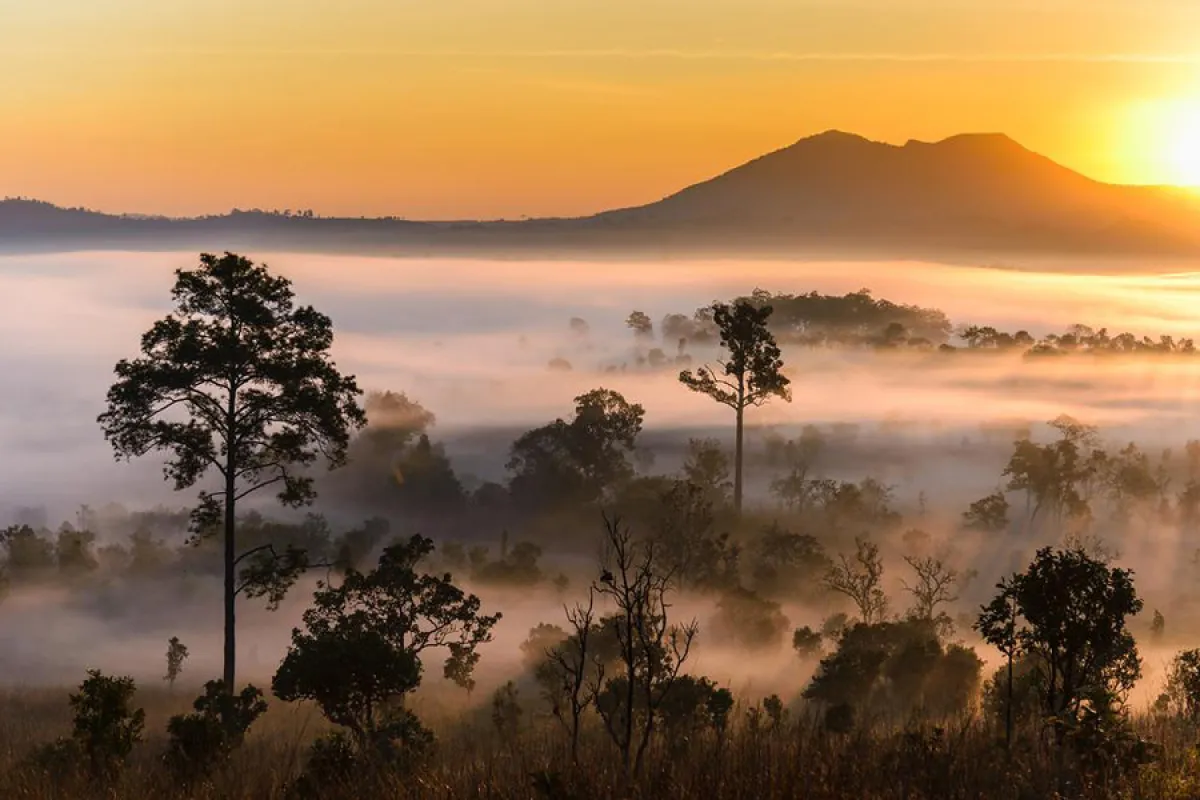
1181, 695
199, 741
359, 654
1068, 612
988, 514
104, 730
748, 622
750, 375
236, 380
683, 528
853, 318
788, 564
894, 668
177, 652
506, 710
577, 461
707, 467
807, 642
1055, 476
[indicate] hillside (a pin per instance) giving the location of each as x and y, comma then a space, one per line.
831, 193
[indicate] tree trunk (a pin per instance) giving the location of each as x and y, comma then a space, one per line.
230, 584
1008, 710
737, 463
230, 543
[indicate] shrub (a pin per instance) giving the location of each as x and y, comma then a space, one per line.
199, 741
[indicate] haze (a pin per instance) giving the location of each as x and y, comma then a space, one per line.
471, 341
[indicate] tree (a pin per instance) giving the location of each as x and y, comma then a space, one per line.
177, 652
860, 579
652, 650
750, 376
237, 380
1182, 692
581, 459
106, 726
641, 325
359, 654
565, 667
934, 586
198, 741
1068, 612
707, 467
989, 513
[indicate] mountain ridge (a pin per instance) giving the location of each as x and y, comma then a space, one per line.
833, 191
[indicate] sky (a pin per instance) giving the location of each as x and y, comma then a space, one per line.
487, 109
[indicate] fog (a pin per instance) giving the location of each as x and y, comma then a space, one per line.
471, 341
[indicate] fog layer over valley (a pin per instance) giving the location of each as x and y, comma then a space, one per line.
494, 348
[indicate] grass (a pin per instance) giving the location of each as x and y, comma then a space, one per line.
753, 761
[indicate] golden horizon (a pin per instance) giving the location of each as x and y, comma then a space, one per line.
471, 111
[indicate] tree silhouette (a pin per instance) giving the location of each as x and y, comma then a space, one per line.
177, 652
1068, 611
237, 380
359, 654
577, 460
860, 579
750, 376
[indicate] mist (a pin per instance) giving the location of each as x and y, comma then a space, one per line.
471, 340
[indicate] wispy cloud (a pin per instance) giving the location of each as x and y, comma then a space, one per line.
665, 54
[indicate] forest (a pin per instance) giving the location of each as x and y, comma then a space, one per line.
733, 616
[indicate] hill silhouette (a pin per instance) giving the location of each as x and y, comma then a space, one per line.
834, 193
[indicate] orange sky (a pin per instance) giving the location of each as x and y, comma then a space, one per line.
501, 108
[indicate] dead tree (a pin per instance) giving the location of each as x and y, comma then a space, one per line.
859, 579
652, 650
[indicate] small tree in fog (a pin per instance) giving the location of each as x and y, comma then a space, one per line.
707, 466
199, 741
988, 513
806, 642
577, 461
359, 653
933, 587
177, 652
750, 376
105, 728
236, 381
860, 579
567, 667
1067, 612
652, 650
641, 325
1182, 692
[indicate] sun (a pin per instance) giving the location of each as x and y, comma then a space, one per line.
1181, 139
1160, 141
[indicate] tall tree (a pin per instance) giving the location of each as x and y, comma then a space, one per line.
238, 381
750, 376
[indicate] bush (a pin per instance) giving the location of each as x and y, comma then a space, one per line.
199, 741
748, 621
895, 668
806, 642
104, 731
106, 727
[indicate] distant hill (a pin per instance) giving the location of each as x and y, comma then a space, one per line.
982, 194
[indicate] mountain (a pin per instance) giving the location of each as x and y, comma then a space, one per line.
982, 194
973, 190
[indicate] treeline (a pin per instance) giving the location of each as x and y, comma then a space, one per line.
858, 320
